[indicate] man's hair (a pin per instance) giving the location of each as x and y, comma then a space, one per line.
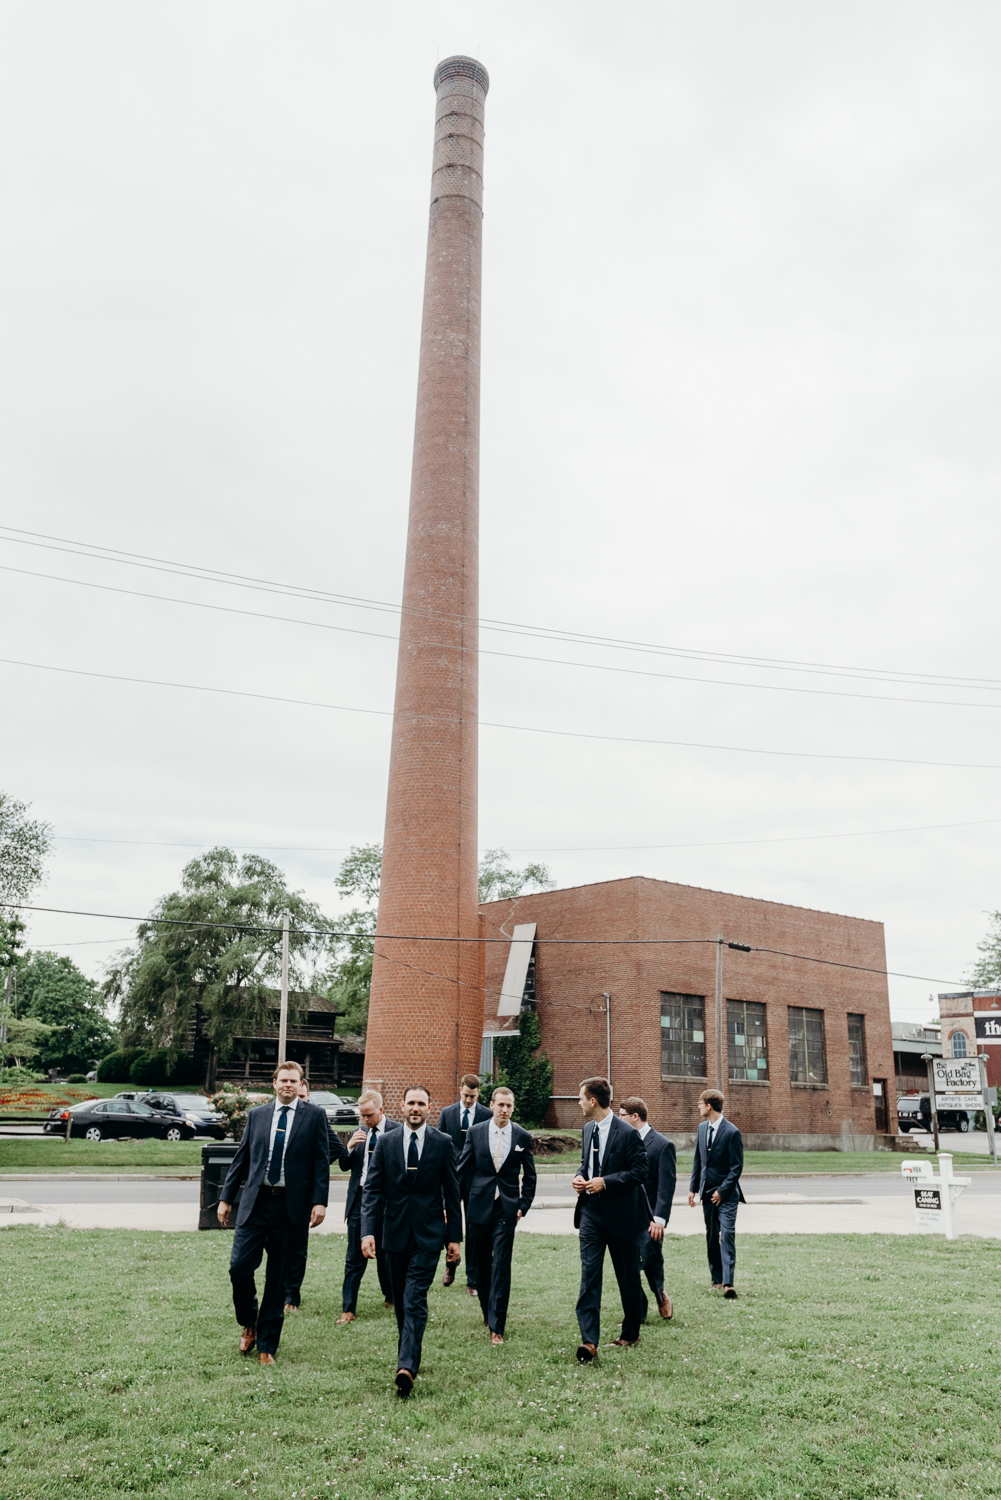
503, 1089
713, 1098
420, 1087
634, 1106
469, 1081
281, 1065
600, 1090
370, 1096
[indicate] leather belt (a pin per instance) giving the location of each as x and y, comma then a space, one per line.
268, 1187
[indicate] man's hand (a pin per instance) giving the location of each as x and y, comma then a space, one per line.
357, 1138
716, 1197
579, 1183
368, 1247
656, 1231
596, 1185
317, 1214
453, 1254
691, 1200
518, 1217
222, 1213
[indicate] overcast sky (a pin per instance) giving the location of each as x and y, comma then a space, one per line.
740, 397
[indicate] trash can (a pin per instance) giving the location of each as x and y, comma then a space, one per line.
216, 1162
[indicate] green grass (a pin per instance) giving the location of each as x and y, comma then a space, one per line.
850, 1369
52, 1153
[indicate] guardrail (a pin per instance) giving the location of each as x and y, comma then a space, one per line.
23, 1119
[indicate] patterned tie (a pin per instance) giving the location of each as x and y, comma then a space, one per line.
596, 1157
278, 1149
498, 1152
413, 1160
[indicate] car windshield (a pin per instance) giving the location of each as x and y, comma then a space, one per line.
84, 1104
192, 1101
322, 1097
140, 1109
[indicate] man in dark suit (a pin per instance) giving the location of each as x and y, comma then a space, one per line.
455, 1120
283, 1162
497, 1183
610, 1214
715, 1182
413, 1191
662, 1176
299, 1249
356, 1158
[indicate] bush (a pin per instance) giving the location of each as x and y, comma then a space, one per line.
115, 1068
235, 1104
77, 1078
19, 1076
156, 1068
525, 1070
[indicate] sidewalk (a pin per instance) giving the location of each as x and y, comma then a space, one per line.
779, 1213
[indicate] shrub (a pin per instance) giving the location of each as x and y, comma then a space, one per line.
525, 1070
20, 1075
115, 1067
77, 1078
235, 1104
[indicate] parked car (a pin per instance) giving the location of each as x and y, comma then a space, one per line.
914, 1113
195, 1108
110, 1119
339, 1112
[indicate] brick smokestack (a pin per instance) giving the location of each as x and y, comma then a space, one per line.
426, 1012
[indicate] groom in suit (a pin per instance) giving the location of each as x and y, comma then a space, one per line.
611, 1213
283, 1162
715, 1182
412, 1190
497, 1183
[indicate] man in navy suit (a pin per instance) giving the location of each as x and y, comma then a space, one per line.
662, 1177
456, 1120
412, 1190
497, 1182
283, 1162
356, 1158
715, 1182
610, 1214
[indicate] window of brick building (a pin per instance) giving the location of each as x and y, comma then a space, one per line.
746, 1041
959, 1044
807, 1053
856, 1052
682, 1035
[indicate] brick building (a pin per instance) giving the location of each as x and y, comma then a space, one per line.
621, 988
971, 1023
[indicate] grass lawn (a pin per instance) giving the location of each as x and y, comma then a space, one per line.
851, 1368
52, 1153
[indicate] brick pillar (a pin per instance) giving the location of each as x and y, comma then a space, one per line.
426, 1012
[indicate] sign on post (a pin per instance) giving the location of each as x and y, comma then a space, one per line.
935, 1195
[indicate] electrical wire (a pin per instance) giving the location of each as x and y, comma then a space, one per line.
572, 734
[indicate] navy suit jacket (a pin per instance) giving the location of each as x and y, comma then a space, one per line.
622, 1207
352, 1161
451, 1123
306, 1162
428, 1210
662, 1174
479, 1179
718, 1169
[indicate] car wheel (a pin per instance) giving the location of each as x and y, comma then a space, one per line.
964, 1123
173, 1133
93, 1133
903, 1128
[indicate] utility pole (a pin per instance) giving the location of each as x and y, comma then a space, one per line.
928, 1059
720, 1054
283, 1013
992, 1140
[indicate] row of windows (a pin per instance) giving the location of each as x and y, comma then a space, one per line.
683, 1041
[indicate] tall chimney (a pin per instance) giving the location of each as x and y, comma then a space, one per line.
426, 1011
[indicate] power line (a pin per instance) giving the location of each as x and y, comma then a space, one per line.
552, 661
572, 734
431, 938
101, 553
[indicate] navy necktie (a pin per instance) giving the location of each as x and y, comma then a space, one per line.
465, 1119
413, 1159
373, 1136
596, 1169
278, 1149
709, 1138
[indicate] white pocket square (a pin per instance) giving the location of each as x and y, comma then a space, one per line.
519, 1148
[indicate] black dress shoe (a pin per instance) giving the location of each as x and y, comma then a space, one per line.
404, 1383
729, 1293
586, 1353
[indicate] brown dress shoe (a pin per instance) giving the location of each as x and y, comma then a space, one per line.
388, 1302
347, 1317
496, 1338
729, 1293
621, 1343
666, 1305
586, 1353
404, 1383
291, 1307
472, 1290
266, 1358
248, 1338
449, 1275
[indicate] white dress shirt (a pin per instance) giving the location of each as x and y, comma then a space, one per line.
289, 1118
714, 1126
603, 1128
407, 1132
379, 1129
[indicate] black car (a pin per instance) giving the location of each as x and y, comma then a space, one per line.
111, 1119
339, 1112
914, 1113
195, 1108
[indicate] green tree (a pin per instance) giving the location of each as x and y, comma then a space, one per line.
24, 843
215, 946
525, 1070
21, 1040
348, 981
50, 988
987, 969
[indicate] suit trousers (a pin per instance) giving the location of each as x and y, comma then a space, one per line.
267, 1231
472, 1252
411, 1273
652, 1261
355, 1264
721, 1238
296, 1268
494, 1242
624, 1250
